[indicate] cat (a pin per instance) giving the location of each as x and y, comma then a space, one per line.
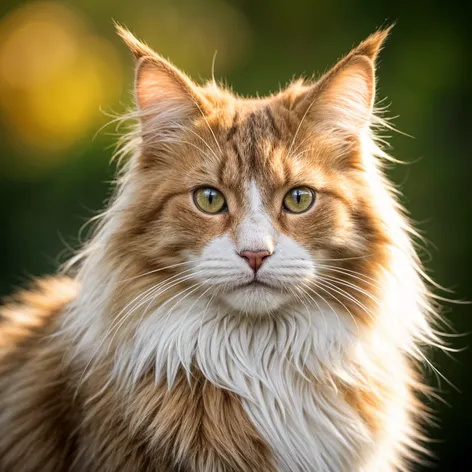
250, 300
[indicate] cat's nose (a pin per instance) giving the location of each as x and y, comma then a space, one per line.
255, 258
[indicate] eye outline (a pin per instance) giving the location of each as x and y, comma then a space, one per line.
309, 207
224, 209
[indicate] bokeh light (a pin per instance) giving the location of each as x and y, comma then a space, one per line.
55, 74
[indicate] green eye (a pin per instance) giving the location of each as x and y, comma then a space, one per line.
299, 200
209, 200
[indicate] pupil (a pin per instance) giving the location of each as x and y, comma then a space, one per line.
298, 196
210, 196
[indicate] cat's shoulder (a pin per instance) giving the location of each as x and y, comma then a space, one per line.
28, 312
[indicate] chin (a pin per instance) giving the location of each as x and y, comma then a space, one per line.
256, 299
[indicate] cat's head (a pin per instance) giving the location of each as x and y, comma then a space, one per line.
257, 203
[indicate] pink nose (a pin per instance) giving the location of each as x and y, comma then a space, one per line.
255, 258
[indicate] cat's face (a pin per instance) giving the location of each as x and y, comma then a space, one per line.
256, 217
267, 201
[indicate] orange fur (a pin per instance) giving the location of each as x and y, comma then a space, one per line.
61, 406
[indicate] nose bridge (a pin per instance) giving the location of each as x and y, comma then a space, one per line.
256, 231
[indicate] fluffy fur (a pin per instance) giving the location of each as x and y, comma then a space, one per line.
161, 354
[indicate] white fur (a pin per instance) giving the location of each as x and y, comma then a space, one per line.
280, 366
287, 357
256, 232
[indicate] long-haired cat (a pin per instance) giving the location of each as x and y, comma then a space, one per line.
250, 301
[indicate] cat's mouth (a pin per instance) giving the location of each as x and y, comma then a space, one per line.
256, 283
258, 286
256, 296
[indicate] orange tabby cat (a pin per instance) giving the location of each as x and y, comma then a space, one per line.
251, 300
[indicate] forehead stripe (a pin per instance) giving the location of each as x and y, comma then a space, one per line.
251, 123
234, 127
275, 129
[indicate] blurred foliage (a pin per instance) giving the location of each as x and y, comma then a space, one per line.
63, 72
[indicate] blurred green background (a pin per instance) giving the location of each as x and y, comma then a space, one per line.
63, 71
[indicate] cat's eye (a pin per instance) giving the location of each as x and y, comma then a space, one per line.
209, 200
299, 200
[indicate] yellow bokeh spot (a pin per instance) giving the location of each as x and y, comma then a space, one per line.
55, 75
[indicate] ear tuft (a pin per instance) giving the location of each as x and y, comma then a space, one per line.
343, 98
137, 48
371, 46
167, 99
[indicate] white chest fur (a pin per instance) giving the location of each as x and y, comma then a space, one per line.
281, 366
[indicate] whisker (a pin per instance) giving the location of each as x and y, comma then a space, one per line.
299, 145
300, 153
299, 127
354, 274
115, 328
341, 291
349, 297
209, 127
194, 288
155, 287
319, 308
160, 269
173, 284
144, 296
196, 147
201, 139
167, 315
346, 258
339, 301
162, 290
350, 285
317, 294
82, 377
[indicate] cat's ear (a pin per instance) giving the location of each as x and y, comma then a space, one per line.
166, 98
343, 98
